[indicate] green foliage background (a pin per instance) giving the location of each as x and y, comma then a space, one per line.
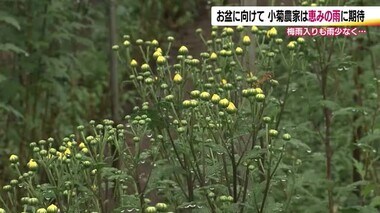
54, 75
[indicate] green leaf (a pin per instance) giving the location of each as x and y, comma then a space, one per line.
375, 201
12, 48
9, 20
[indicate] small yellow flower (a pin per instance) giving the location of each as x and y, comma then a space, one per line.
195, 93
177, 78
161, 60
231, 108
229, 30
134, 63
272, 32
193, 103
239, 51
69, 144
183, 50
300, 40
155, 42
60, 155
213, 56
291, 45
85, 150
313, 5
205, 96
145, 67
246, 40
156, 54
254, 29
126, 43
259, 91
224, 82
32, 165
224, 102
159, 50
52, 209
186, 103
82, 145
215, 98
260, 97
13, 158
67, 151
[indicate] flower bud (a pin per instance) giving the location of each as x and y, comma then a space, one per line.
213, 56
260, 97
149, 80
145, 67
239, 51
32, 165
161, 207
126, 43
139, 41
7, 187
183, 50
205, 96
286, 136
150, 209
300, 40
278, 41
155, 43
229, 31
133, 63
115, 47
161, 60
246, 40
272, 32
169, 97
33, 201
254, 29
177, 78
195, 93
13, 182
193, 103
231, 108
156, 54
215, 99
267, 119
52, 209
273, 132
13, 158
186, 103
291, 45
224, 102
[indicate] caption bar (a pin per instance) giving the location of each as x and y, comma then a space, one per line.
295, 16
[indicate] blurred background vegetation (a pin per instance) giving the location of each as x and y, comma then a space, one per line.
54, 61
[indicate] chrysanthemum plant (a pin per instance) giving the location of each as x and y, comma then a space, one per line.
205, 137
